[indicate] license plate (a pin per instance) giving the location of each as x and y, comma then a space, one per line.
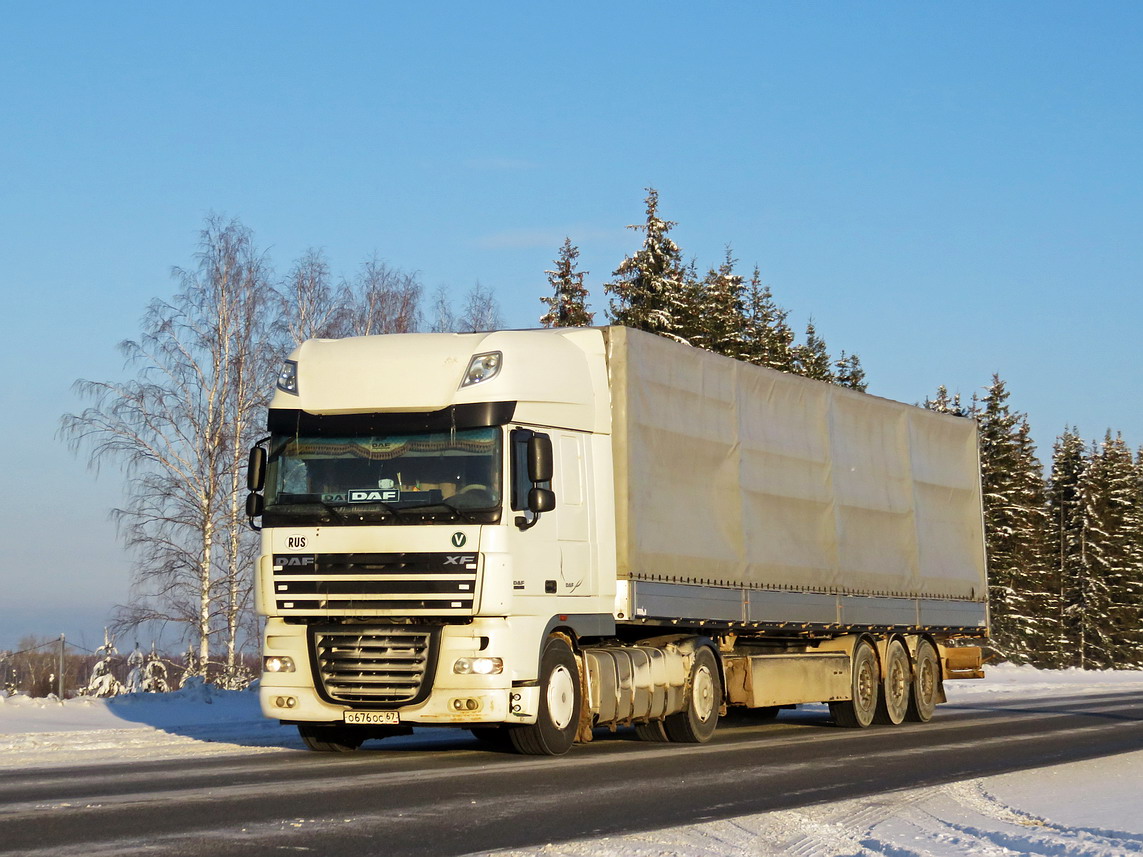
371, 718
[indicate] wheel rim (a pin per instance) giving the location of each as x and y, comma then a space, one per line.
702, 694
866, 696
926, 682
561, 697
897, 684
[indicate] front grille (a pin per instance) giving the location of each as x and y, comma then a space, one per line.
386, 665
375, 584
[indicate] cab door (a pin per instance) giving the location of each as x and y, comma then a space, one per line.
574, 522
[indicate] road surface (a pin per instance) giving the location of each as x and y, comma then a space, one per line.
450, 795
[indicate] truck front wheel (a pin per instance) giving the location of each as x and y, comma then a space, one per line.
554, 731
697, 723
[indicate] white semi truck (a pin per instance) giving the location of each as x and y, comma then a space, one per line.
533, 534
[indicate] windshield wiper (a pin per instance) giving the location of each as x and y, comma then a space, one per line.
454, 514
311, 507
375, 507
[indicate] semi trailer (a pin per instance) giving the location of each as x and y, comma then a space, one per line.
535, 534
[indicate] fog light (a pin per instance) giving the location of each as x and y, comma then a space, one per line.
285, 701
277, 664
478, 666
465, 704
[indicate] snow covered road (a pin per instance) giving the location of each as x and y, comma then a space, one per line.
199, 754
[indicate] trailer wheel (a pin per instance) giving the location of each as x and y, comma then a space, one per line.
554, 731
328, 738
696, 724
858, 711
926, 684
896, 686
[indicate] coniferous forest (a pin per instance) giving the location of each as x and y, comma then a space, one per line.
1064, 543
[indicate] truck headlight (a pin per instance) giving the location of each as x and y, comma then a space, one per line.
478, 666
288, 377
277, 664
481, 368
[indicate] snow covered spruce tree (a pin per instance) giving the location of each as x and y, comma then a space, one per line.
1065, 538
1111, 554
1021, 596
650, 286
848, 372
103, 682
181, 428
811, 358
943, 403
567, 305
768, 339
720, 324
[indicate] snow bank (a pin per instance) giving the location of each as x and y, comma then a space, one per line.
197, 720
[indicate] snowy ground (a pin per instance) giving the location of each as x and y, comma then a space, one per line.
1090, 809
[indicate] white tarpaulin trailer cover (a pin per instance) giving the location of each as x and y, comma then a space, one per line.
729, 474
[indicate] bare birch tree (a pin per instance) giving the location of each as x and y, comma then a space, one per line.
481, 311
382, 300
311, 306
180, 428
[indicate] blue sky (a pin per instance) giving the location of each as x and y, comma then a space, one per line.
951, 190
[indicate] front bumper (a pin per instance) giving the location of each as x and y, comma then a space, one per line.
452, 699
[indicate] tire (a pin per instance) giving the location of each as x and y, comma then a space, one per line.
555, 728
654, 732
926, 684
896, 686
493, 737
697, 723
328, 738
857, 712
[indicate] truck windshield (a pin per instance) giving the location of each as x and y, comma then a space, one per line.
406, 478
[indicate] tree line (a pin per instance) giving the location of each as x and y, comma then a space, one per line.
1065, 549
1064, 553
181, 426
1065, 546
655, 289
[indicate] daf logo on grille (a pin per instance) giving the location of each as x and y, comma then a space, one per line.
298, 561
458, 540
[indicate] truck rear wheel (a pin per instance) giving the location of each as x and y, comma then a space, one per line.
652, 731
696, 724
858, 711
926, 684
896, 685
554, 731
329, 738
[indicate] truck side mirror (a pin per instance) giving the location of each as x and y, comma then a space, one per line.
256, 470
539, 459
541, 500
255, 505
